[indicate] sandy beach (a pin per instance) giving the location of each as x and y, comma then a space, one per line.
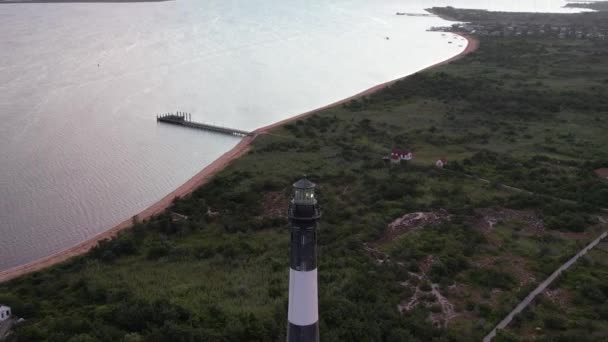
197, 180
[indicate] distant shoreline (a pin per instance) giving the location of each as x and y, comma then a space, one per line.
203, 176
19, 2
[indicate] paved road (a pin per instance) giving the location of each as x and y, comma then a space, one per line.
4, 327
521, 306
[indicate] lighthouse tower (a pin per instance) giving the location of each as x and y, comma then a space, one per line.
303, 313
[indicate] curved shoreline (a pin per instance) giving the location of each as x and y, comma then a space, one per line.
201, 178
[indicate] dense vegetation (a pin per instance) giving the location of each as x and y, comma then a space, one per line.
489, 17
597, 6
520, 111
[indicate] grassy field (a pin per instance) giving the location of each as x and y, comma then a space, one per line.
519, 111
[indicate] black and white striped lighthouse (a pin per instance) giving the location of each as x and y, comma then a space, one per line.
303, 313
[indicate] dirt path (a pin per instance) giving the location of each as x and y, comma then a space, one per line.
447, 308
521, 306
512, 188
199, 179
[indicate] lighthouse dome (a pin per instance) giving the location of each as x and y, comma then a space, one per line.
304, 184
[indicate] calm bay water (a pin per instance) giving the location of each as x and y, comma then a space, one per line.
80, 85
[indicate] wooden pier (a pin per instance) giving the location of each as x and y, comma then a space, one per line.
416, 14
185, 119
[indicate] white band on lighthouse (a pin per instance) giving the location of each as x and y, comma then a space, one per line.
303, 297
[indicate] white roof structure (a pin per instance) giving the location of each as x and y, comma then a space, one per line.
5, 312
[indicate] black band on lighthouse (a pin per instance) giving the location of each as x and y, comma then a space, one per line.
303, 256
303, 333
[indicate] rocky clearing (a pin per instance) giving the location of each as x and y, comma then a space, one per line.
447, 303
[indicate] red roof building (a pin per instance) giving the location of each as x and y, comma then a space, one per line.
402, 154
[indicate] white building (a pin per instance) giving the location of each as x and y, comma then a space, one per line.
5, 313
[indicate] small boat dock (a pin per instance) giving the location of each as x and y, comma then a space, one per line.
185, 119
416, 14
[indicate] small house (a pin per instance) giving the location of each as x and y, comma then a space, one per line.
5, 313
441, 163
401, 154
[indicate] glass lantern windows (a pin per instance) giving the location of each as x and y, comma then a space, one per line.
304, 192
304, 196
